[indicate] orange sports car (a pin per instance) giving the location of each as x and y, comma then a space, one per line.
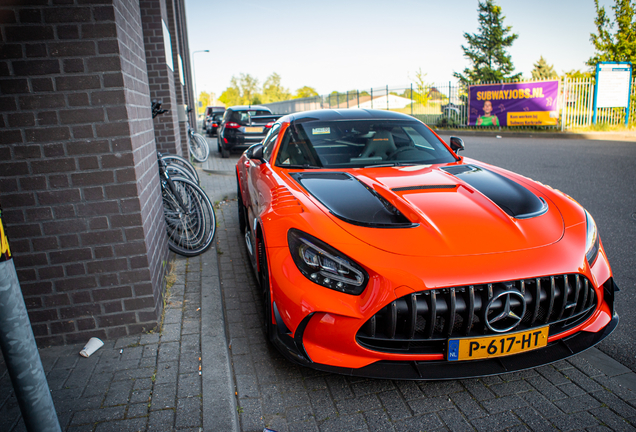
381, 252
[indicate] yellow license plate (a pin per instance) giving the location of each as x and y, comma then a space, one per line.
253, 129
497, 346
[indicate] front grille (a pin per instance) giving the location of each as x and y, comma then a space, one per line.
420, 323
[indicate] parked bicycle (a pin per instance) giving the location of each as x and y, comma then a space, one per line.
188, 211
197, 145
178, 166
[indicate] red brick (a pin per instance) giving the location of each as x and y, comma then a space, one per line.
62, 327
59, 197
80, 311
71, 256
107, 266
116, 319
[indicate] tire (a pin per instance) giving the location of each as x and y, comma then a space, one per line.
241, 208
225, 153
265, 288
198, 147
190, 228
183, 162
175, 170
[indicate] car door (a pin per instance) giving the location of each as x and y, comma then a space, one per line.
260, 177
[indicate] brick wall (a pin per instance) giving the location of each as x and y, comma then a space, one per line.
160, 75
78, 174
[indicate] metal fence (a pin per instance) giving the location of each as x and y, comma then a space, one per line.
445, 104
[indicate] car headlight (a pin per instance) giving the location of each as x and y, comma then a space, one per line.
324, 265
591, 239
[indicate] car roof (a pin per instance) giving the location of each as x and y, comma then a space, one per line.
248, 108
346, 114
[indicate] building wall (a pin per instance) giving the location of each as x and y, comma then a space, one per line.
78, 172
160, 75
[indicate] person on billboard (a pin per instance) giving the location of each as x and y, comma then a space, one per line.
488, 119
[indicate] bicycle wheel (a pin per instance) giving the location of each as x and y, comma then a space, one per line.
175, 170
183, 162
198, 147
190, 227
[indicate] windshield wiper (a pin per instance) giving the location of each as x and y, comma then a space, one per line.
392, 164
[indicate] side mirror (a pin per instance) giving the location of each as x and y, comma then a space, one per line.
457, 144
255, 152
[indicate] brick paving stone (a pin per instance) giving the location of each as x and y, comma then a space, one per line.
98, 415
163, 396
552, 375
167, 372
371, 386
572, 389
169, 352
306, 426
467, 405
161, 420
618, 406
583, 381
440, 388
378, 421
351, 423
300, 413
322, 404
339, 387
532, 419
615, 387
576, 421
510, 388
424, 422
132, 425
189, 412
505, 403
189, 385
119, 393
496, 422
137, 410
409, 389
546, 388
578, 403
359, 404
394, 405
478, 389
250, 414
433, 404
611, 419
140, 395
455, 421
541, 404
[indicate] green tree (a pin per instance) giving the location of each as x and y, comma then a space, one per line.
579, 74
421, 90
305, 92
204, 101
543, 71
273, 91
242, 91
486, 49
620, 46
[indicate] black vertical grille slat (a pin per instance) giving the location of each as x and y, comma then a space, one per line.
551, 295
564, 298
449, 319
432, 315
470, 310
392, 320
537, 301
412, 317
575, 302
422, 322
583, 303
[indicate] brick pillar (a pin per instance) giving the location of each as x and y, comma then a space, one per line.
78, 172
154, 17
176, 14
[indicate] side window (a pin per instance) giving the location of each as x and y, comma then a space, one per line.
270, 140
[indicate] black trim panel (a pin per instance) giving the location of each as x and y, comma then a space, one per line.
349, 199
510, 196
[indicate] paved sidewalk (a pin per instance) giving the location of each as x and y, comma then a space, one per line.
211, 369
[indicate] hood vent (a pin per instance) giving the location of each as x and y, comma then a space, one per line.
510, 196
423, 187
349, 199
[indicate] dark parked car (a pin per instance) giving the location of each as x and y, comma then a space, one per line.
212, 123
243, 126
211, 112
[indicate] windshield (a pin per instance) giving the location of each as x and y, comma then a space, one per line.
360, 143
243, 117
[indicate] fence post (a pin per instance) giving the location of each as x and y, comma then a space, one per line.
411, 99
387, 97
358, 96
20, 351
371, 97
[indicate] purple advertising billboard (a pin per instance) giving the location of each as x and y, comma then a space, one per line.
514, 104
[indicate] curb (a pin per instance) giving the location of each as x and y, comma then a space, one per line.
219, 403
603, 136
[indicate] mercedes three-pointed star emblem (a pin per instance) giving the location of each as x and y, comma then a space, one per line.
510, 316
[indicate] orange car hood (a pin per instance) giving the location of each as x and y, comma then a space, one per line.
447, 216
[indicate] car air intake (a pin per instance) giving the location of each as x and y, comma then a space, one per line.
420, 323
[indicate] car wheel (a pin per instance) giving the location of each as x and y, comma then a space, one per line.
225, 153
264, 282
241, 209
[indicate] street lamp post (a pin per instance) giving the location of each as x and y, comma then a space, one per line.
196, 95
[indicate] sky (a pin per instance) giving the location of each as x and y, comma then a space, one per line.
360, 44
